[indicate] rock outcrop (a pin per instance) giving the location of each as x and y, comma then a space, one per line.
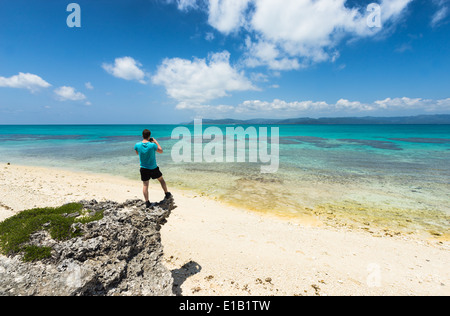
121, 254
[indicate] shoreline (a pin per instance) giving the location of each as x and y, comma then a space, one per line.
216, 249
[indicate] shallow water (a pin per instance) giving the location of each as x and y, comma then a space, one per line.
384, 176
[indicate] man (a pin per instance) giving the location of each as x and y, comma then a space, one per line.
149, 169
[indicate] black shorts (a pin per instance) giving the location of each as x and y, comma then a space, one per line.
147, 174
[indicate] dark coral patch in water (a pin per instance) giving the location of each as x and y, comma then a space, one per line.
379, 144
423, 140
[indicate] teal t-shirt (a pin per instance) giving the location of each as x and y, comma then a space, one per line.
147, 154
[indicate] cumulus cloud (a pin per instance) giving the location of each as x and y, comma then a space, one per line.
227, 16
193, 83
343, 106
279, 105
263, 53
427, 105
126, 68
65, 93
287, 34
311, 30
24, 81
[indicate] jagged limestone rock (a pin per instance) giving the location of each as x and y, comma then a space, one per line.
121, 254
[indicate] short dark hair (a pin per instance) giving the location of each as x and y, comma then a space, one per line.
146, 134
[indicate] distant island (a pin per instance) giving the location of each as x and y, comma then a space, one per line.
419, 119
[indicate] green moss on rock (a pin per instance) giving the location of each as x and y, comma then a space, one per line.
15, 231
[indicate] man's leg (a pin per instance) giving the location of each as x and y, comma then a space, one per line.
145, 190
163, 184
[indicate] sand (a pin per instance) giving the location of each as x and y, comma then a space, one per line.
216, 249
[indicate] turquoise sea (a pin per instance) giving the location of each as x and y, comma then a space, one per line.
394, 177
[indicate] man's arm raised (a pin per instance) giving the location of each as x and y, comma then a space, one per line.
159, 150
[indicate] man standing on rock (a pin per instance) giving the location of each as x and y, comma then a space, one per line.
149, 169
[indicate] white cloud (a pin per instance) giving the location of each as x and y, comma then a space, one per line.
401, 103
343, 106
279, 106
89, 86
311, 30
427, 105
441, 13
393, 9
284, 109
291, 34
195, 83
264, 53
69, 93
126, 68
306, 22
24, 81
444, 103
209, 36
201, 108
184, 5
227, 16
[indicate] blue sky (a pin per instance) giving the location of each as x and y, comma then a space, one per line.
169, 61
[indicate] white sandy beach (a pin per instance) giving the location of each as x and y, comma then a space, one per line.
216, 249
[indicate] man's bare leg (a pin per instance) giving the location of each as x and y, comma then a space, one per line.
145, 190
163, 184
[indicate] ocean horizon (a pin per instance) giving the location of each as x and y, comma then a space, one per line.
393, 176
